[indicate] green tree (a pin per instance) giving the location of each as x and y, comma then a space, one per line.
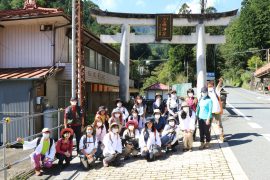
255, 62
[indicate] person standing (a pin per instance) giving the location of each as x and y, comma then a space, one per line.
141, 108
173, 105
73, 118
158, 104
64, 147
192, 103
102, 113
44, 150
119, 105
204, 114
187, 124
217, 111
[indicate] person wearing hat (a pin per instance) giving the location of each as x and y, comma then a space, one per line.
44, 150
112, 146
217, 109
159, 122
170, 134
149, 141
158, 104
64, 147
131, 138
73, 118
187, 119
119, 105
117, 117
135, 117
204, 114
173, 105
102, 113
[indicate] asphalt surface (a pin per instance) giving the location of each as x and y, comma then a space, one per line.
247, 128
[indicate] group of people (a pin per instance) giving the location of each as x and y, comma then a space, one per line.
127, 134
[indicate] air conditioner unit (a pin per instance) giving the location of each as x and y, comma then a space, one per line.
44, 27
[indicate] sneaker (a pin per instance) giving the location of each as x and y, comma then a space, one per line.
207, 145
221, 138
38, 173
202, 146
185, 149
190, 150
105, 164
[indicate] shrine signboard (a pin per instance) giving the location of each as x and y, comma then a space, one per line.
164, 27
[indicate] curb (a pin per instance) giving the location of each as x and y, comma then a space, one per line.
235, 168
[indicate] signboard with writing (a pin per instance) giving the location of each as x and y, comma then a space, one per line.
164, 27
210, 76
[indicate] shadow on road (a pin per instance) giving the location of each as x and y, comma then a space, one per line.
233, 114
235, 139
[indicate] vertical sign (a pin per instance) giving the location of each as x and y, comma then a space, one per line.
164, 27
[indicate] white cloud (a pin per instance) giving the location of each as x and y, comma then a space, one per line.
108, 4
195, 5
171, 8
140, 3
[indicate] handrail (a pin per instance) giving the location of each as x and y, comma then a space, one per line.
7, 120
32, 115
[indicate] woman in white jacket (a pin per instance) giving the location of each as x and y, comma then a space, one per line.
187, 124
44, 150
112, 146
149, 141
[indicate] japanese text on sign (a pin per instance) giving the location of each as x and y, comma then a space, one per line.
164, 27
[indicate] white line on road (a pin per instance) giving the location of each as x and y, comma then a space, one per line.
238, 112
259, 97
254, 125
266, 136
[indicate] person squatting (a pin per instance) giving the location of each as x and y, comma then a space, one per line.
126, 134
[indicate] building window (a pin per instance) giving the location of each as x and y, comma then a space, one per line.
100, 62
69, 50
93, 61
64, 93
87, 56
111, 71
116, 69
107, 64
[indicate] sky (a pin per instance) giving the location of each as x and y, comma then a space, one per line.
163, 6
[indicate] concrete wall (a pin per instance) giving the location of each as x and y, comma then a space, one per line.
52, 92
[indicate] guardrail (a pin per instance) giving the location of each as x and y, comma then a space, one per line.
6, 121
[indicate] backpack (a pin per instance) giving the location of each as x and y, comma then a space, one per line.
85, 141
70, 115
51, 143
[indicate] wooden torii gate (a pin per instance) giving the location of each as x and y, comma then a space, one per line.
126, 20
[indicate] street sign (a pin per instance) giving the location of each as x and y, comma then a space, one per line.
164, 27
210, 76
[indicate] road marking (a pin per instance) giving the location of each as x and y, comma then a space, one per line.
238, 112
259, 97
254, 125
266, 136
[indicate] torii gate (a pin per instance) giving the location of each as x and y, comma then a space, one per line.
126, 20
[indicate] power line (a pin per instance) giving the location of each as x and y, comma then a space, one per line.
248, 51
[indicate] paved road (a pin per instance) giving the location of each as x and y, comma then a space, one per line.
249, 131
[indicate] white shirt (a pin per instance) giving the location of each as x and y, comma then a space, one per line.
90, 144
216, 106
188, 123
152, 140
125, 113
131, 134
33, 144
112, 143
100, 133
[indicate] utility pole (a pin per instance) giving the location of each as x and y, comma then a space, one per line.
268, 55
73, 51
203, 6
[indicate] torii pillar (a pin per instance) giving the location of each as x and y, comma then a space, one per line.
200, 38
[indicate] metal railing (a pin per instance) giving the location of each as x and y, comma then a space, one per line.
7, 121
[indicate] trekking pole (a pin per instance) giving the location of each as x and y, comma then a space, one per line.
5, 121
58, 123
